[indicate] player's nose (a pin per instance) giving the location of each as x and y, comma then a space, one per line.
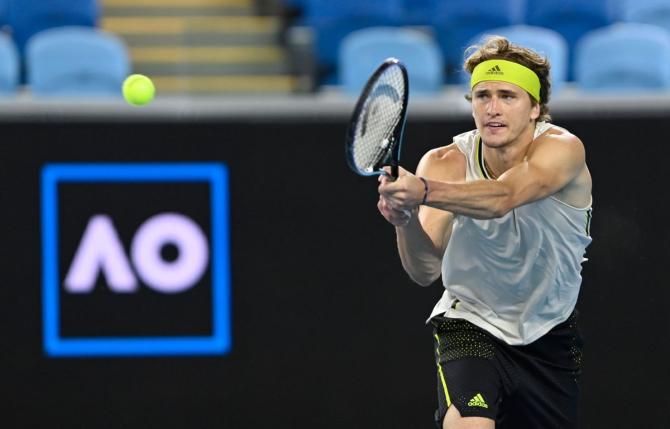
492, 106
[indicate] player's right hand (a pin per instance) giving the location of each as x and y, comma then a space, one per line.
393, 216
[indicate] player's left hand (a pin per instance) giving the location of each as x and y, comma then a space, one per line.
404, 193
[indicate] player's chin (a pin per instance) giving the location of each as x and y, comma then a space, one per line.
497, 138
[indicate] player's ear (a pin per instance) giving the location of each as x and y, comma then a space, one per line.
535, 111
472, 106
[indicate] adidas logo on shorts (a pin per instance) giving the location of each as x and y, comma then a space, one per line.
478, 401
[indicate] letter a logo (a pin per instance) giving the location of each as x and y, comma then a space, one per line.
100, 251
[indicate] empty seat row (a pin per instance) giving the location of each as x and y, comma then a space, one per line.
66, 61
616, 58
24, 18
455, 22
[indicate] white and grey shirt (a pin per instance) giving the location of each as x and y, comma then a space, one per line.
519, 275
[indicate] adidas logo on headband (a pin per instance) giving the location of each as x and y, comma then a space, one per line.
495, 70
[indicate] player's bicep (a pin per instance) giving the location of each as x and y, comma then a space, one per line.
447, 165
437, 224
553, 165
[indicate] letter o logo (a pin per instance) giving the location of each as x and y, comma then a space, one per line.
170, 276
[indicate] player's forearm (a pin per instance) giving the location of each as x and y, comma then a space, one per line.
482, 199
420, 257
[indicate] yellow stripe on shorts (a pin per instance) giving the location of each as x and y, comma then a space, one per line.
439, 369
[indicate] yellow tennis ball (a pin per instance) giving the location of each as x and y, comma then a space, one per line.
138, 89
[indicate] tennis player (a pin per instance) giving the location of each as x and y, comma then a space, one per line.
503, 215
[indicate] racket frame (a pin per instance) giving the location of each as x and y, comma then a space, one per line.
395, 141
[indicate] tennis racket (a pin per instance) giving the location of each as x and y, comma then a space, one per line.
375, 131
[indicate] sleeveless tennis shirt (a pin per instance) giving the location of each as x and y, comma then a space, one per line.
519, 275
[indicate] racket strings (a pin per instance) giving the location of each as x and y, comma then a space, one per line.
379, 118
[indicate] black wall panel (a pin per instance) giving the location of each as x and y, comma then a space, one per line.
327, 330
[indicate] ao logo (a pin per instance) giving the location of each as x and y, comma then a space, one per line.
101, 250
133, 213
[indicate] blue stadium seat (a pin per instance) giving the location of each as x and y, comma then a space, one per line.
419, 12
28, 17
76, 61
456, 22
317, 9
363, 50
544, 41
331, 21
4, 22
624, 57
9, 65
656, 12
571, 18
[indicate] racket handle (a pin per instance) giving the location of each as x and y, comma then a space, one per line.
394, 170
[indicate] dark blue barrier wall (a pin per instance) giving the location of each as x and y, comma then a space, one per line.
327, 330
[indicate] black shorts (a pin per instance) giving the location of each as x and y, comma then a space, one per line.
531, 386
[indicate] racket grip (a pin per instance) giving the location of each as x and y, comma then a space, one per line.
394, 170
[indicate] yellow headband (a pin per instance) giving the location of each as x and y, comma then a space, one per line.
507, 71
